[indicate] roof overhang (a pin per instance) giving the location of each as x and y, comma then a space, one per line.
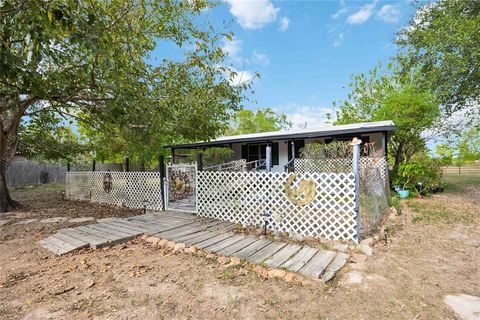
348, 129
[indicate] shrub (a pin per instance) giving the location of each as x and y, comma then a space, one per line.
421, 169
213, 156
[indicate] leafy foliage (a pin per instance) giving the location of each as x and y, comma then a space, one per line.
392, 94
421, 168
213, 156
261, 120
333, 150
444, 39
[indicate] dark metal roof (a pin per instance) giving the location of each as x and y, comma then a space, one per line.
358, 128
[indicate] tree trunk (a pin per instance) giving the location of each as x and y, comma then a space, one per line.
398, 157
9, 123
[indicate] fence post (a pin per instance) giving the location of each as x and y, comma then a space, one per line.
93, 165
268, 158
356, 171
161, 170
127, 165
199, 162
68, 166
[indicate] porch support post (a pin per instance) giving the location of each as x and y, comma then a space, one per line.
356, 171
161, 170
268, 157
68, 166
292, 145
199, 161
385, 154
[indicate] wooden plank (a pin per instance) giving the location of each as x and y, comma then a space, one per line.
266, 252
148, 228
92, 239
230, 250
225, 226
99, 233
116, 233
129, 226
58, 246
314, 268
170, 233
281, 256
74, 241
224, 243
209, 242
176, 234
122, 229
51, 246
253, 248
192, 236
203, 237
337, 263
297, 262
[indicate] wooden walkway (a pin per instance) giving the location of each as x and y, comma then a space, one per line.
207, 234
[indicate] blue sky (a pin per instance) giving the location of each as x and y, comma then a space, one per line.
306, 51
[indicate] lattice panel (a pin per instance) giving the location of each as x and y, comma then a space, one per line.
340, 165
243, 197
130, 189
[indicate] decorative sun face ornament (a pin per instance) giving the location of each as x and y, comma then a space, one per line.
304, 194
180, 185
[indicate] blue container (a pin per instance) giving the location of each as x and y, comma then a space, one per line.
403, 194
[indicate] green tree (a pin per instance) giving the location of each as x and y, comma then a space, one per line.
392, 94
261, 120
445, 154
91, 61
444, 39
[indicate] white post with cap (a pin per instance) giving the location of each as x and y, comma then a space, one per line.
356, 143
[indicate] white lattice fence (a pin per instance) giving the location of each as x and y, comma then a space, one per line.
130, 189
242, 197
339, 165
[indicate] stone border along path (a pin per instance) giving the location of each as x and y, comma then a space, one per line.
209, 235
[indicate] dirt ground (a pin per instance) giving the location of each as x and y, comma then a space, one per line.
433, 250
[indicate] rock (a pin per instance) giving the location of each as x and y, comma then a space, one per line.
153, 240
178, 247
296, 236
162, 243
465, 307
235, 261
261, 271
191, 250
2, 222
366, 249
340, 247
276, 273
367, 241
353, 277
170, 244
210, 256
54, 220
81, 220
28, 221
376, 238
290, 277
358, 257
223, 260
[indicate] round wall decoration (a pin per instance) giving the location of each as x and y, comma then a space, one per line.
107, 182
304, 194
179, 184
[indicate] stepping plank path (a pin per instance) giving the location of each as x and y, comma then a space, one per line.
207, 234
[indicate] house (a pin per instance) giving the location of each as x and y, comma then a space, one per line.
282, 146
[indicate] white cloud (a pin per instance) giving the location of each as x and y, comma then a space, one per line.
253, 14
240, 77
389, 13
260, 58
363, 14
232, 48
339, 13
284, 24
338, 42
312, 116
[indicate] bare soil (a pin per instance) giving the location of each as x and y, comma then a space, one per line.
408, 278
